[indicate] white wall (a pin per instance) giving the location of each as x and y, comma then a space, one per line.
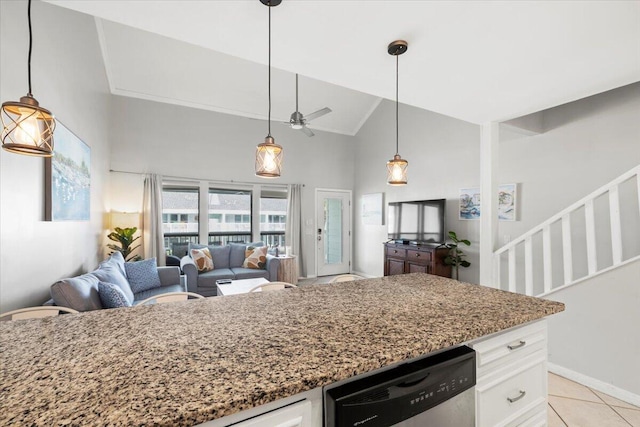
597, 334
68, 79
443, 155
185, 142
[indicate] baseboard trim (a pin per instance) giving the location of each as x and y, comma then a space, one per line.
595, 384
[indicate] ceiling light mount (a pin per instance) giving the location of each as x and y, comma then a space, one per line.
397, 47
271, 3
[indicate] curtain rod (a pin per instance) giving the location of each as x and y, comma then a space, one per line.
215, 181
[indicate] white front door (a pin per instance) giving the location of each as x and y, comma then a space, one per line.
333, 233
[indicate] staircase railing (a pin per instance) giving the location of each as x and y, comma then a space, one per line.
516, 259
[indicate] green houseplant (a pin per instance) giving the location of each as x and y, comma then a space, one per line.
124, 236
455, 258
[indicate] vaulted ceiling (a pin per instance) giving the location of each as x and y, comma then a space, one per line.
478, 61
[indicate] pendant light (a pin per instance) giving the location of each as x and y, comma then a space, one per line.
268, 153
27, 128
397, 167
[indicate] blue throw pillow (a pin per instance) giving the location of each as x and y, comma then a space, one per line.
142, 275
111, 296
110, 271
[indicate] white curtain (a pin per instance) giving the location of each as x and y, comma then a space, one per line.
293, 229
152, 237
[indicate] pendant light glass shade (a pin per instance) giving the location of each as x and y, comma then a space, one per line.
268, 159
397, 171
27, 128
269, 154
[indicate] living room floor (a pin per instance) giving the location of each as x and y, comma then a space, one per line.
570, 404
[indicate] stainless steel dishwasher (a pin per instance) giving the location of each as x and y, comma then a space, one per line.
433, 391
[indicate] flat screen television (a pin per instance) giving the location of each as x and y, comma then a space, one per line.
419, 221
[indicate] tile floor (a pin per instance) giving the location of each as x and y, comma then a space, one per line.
574, 405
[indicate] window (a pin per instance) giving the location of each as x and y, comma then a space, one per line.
179, 219
273, 217
229, 216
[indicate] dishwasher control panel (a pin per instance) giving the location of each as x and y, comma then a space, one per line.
397, 394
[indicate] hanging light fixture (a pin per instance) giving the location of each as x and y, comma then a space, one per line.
268, 153
397, 167
27, 128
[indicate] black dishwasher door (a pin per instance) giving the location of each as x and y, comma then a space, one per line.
387, 398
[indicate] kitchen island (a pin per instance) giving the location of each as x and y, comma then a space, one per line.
186, 363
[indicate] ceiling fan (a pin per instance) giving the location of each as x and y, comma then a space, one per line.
299, 121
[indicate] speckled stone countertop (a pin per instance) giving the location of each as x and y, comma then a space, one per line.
189, 362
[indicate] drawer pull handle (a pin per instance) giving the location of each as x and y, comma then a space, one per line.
522, 343
417, 254
515, 399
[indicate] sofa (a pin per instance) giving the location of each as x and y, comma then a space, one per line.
227, 264
82, 293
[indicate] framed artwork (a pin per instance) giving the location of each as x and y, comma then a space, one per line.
372, 205
507, 202
68, 178
469, 203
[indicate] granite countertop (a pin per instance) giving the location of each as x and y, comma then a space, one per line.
188, 362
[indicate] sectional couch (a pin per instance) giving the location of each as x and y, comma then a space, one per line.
227, 262
81, 292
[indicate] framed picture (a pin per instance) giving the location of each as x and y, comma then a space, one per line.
507, 202
372, 205
469, 207
68, 178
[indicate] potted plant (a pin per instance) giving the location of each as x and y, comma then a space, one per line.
455, 258
124, 236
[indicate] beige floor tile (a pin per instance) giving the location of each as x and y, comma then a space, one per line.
559, 386
609, 400
579, 413
631, 415
553, 420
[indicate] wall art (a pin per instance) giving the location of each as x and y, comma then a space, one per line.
372, 205
469, 207
68, 178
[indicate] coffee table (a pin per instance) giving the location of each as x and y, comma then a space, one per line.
240, 286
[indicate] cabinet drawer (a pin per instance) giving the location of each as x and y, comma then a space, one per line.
506, 400
396, 252
495, 352
418, 256
537, 417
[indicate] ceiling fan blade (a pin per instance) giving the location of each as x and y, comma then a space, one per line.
307, 131
316, 114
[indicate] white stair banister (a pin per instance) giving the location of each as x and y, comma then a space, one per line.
616, 231
528, 265
590, 224
567, 254
546, 256
532, 266
512, 269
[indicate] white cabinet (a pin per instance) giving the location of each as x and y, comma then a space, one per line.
300, 410
296, 415
511, 384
